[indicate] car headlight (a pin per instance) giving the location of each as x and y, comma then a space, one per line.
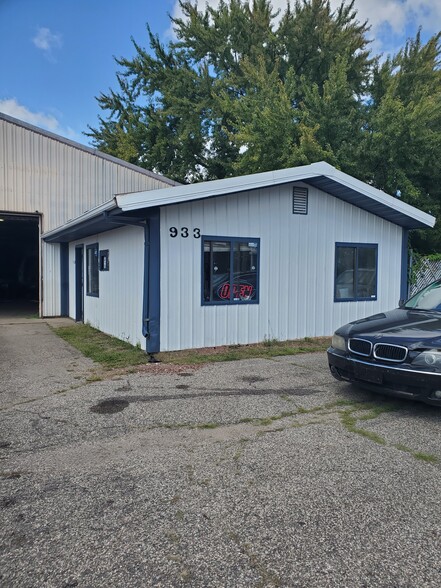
429, 358
338, 342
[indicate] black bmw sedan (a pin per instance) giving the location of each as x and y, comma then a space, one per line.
396, 352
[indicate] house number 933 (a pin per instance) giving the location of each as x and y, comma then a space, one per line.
185, 232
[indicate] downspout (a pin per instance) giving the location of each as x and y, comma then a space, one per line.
145, 298
151, 296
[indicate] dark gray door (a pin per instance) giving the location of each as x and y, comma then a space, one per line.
79, 283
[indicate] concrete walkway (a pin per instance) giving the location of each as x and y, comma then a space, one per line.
34, 361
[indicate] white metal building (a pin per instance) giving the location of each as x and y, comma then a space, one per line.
45, 180
277, 255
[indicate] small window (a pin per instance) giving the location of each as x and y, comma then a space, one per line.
300, 201
104, 260
92, 279
230, 270
355, 271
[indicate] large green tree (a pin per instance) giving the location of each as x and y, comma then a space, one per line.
401, 146
244, 89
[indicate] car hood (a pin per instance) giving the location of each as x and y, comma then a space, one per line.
413, 328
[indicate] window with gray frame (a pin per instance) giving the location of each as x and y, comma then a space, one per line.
92, 267
355, 271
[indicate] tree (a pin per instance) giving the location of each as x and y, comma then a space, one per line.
402, 142
245, 89
238, 91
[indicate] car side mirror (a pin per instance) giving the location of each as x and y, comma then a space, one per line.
401, 303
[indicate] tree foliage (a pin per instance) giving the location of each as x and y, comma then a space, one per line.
245, 89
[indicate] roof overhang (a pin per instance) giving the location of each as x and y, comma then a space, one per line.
126, 208
321, 175
105, 217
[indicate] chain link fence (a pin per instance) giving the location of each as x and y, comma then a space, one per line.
423, 271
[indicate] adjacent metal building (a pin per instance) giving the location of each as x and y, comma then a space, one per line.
279, 255
45, 180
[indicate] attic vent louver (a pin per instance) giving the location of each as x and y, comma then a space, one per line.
300, 201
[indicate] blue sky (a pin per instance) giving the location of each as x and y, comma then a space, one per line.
57, 55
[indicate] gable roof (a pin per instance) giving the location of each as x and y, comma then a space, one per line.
84, 148
320, 175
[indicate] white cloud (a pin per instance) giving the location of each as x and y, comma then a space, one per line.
395, 14
11, 107
47, 41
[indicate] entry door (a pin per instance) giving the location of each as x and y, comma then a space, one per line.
79, 283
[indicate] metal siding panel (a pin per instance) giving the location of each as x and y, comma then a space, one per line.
61, 182
117, 310
52, 279
296, 268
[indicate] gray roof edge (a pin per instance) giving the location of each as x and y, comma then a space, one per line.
90, 150
88, 215
188, 192
213, 188
376, 194
201, 191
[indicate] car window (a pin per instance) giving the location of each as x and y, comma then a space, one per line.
427, 299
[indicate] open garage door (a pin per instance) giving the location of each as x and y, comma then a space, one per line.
19, 264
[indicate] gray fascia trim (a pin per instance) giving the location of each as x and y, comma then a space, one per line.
306, 174
89, 215
90, 150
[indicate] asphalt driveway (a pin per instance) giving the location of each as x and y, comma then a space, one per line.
253, 473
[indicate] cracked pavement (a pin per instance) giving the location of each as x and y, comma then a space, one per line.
239, 474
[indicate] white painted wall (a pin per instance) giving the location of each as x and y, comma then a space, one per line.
118, 309
296, 268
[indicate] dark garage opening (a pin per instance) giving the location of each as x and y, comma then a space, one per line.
19, 264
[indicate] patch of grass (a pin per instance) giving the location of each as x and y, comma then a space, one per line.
349, 421
427, 457
103, 349
267, 349
94, 378
114, 353
369, 411
208, 426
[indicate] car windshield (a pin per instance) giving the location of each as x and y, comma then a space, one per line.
427, 299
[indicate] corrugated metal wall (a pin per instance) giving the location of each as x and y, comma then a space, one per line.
118, 309
50, 280
39, 173
296, 268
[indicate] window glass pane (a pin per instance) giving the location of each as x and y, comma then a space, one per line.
244, 270
345, 274
216, 271
229, 272
366, 276
207, 271
92, 270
